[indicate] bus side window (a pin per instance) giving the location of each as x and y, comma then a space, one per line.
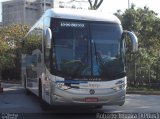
34, 60
39, 58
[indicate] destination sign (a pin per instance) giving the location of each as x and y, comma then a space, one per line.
70, 24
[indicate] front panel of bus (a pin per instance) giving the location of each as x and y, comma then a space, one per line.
87, 62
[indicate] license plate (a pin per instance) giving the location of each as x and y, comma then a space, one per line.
91, 99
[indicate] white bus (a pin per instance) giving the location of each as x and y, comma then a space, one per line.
76, 57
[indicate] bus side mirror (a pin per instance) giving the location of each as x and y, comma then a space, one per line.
48, 37
133, 39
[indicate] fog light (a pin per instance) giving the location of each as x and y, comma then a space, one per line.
62, 86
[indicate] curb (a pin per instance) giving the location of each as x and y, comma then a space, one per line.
144, 92
10, 82
10, 85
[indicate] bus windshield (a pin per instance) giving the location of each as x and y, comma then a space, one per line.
86, 49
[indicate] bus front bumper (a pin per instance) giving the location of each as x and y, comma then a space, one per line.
61, 97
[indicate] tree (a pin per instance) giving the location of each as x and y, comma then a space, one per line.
6, 60
145, 23
10, 46
95, 4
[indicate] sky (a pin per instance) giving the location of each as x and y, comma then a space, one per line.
112, 6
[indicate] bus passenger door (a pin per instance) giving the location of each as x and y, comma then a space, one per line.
32, 75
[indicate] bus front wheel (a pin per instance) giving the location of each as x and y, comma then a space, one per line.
43, 104
25, 86
99, 107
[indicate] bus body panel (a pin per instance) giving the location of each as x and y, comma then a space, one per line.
86, 92
104, 96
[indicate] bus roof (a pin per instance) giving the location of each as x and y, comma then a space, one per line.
77, 14
81, 14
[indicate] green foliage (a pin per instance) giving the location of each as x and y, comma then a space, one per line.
10, 46
145, 23
5, 56
32, 42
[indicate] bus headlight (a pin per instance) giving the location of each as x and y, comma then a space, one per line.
62, 86
119, 85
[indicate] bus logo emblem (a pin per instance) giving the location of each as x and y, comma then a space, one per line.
92, 91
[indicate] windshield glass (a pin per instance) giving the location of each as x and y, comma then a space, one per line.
86, 49
106, 54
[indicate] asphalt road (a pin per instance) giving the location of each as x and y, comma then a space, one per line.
14, 100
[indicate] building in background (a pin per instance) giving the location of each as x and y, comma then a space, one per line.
29, 11
24, 11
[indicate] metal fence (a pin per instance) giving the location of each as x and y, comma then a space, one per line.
143, 75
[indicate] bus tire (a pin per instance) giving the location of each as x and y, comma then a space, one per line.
27, 92
43, 104
99, 107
